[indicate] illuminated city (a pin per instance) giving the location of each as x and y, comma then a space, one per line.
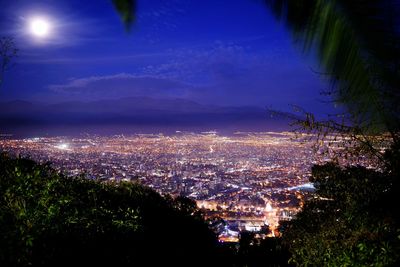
250, 180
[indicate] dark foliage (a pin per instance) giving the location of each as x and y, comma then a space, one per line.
47, 219
269, 252
126, 9
352, 221
358, 45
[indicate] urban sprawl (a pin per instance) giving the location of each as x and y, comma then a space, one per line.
245, 182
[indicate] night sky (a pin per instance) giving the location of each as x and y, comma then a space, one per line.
224, 53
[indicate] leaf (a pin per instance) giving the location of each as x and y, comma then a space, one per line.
126, 10
357, 45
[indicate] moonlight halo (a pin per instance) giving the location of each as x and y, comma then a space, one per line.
39, 27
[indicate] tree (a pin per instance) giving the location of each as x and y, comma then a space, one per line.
47, 219
349, 222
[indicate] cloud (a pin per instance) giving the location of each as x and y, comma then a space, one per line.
122, 85
220, 73
231, 72
34, 58
198, 65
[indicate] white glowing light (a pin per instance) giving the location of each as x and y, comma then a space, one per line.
39, 27
268, 208
63, 146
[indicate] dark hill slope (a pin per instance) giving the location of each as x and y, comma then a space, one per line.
47, 219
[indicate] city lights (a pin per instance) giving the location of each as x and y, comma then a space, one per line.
251, 180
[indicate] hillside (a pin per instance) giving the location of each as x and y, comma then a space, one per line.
50, 220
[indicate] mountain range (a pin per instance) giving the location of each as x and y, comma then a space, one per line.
139, 113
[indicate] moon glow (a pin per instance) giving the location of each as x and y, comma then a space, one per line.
39, 27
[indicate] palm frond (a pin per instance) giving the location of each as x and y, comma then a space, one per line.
126, 9
357, 42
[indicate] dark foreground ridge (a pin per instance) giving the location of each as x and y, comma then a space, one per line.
49, 220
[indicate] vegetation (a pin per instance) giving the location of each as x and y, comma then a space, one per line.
126, 9
357, 43
261, 252
50, 220
350, 222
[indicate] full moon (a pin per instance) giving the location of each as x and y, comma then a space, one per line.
39, 27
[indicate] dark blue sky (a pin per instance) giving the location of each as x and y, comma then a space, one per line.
212, 52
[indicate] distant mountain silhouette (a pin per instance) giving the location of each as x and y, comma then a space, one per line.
139, 112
